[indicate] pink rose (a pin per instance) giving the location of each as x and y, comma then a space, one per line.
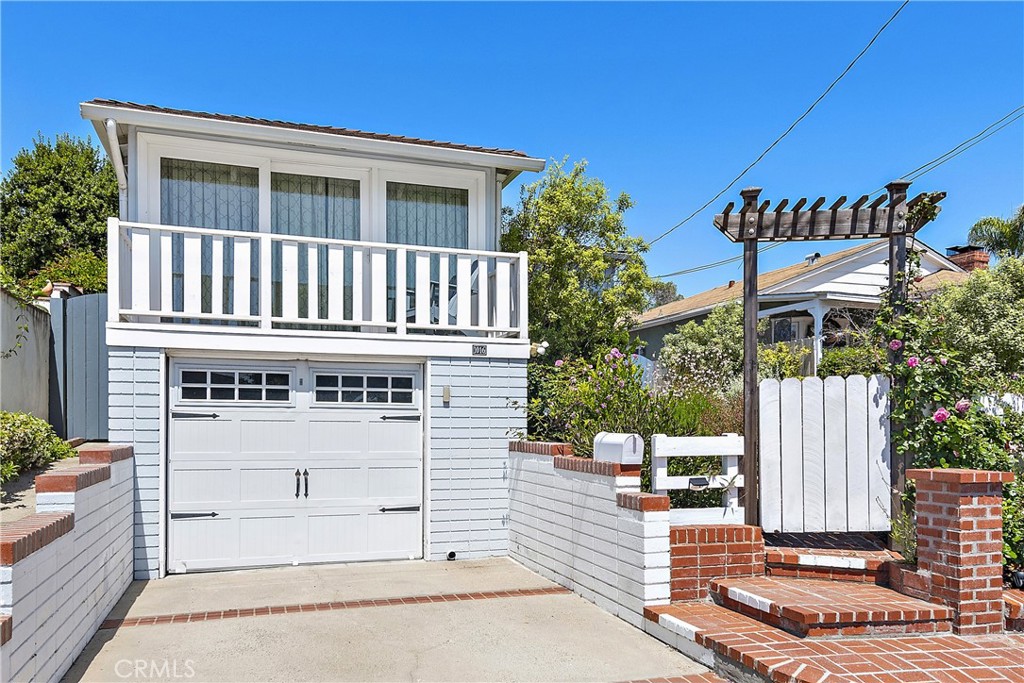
929, 360
943, 361
941, 415
913, 362
559, 363
963, 405
895, 345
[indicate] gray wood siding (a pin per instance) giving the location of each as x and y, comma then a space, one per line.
135, 419
469, 453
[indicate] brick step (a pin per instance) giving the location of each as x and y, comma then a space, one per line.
740, 648
817, 608
834, 564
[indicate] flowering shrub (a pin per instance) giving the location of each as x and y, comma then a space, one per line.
948, 379
574, 400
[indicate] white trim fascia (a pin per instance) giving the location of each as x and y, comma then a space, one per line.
425, 499
163, 450
255, 131
302, 343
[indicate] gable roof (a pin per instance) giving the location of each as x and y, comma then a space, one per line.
307, 127
724, 293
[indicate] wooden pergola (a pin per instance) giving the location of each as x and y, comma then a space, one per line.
890, 215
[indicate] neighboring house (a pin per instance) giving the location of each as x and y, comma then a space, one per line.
813, 302
314, 342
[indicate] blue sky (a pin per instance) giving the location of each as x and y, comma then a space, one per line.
666, 101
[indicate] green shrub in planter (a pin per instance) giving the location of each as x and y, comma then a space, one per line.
26, 443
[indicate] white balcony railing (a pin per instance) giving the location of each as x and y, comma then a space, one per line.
174, 276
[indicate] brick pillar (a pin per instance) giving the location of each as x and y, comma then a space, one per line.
960, 543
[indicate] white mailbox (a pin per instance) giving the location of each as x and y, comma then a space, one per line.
625, 449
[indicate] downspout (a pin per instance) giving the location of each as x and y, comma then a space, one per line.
122, 177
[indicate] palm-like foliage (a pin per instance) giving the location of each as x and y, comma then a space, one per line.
1003, 236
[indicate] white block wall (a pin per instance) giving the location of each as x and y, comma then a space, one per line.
135, 419
567, 527
469, 453
58, 596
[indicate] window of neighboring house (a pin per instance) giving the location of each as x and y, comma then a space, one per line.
313, 206
782, 330
200, 194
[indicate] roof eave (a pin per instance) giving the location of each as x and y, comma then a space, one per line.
254, 131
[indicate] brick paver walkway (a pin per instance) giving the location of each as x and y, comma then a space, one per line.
786, 658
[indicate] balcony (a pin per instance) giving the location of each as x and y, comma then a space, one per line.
168, 278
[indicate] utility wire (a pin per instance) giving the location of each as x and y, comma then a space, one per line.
987, 132
786, 132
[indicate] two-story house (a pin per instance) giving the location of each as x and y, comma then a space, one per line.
314, 341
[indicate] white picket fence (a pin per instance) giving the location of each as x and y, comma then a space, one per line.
729, 447
825, 454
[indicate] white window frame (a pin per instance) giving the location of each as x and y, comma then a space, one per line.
181, 402
390, 370
372, 174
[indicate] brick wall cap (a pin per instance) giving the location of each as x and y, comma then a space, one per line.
23, 537
6, 628
71, 479
643, 502
97, 453
540, 447
960, 476
598, 467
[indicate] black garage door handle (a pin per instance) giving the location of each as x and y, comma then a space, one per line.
405, 508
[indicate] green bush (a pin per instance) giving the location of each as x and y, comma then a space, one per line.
27, 443
851, 360
573, 401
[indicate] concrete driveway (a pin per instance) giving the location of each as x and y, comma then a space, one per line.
488, 620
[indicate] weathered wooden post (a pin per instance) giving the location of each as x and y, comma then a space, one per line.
898, 222
751, 404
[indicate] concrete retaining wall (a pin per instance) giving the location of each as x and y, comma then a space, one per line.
64, 568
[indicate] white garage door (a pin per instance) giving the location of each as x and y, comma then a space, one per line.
286, 463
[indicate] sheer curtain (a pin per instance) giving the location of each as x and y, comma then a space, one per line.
313, 206
206, 195
428, 216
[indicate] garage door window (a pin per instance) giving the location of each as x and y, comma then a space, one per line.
227, 385
336, 388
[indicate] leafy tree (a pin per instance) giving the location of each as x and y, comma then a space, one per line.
1002, 236
664, 292
56, 199
588, 280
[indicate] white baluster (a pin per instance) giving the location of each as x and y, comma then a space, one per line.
358, 258
335, 282
217, 276
289, 280
140, 269
483, 283
463, 293
313, 280
193, 270
422, 288
378, 285
502, 294
242, 268
166, 272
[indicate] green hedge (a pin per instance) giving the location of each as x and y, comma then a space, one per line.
27, 443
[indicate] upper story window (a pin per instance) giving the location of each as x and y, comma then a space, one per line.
205, 195
428, 216
313, 206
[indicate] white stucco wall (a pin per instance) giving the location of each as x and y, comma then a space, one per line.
25, 376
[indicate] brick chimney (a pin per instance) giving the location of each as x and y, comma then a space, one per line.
968, 257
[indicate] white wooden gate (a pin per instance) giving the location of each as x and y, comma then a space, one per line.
825, 454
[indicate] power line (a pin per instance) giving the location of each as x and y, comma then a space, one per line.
959, 149
716, 264
987, 132
787, 131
